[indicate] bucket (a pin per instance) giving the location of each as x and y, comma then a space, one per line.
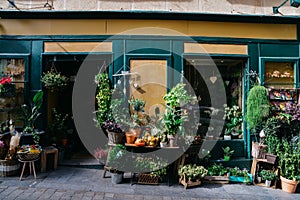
116, 178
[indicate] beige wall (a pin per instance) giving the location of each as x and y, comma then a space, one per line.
259, 7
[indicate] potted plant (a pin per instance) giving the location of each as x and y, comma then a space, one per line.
31, 113
227, 153
258, 110
116, 160
7, 89
289, 156
268, 176
191, 175
58, 127
136, 104
114, 131
54, 81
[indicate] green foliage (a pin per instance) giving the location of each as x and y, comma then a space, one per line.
217, 170
58, 127
151, 164
227, 151
268, 175
177, 96
4, 126
289, 158
192, 172
257, 106
31, 113
54, 81
137, 104
240, 173
173, 119
117, 158
233, 118
103, 97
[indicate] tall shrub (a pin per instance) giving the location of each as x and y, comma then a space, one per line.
257, 106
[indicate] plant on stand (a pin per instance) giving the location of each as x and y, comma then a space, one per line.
227, 153
31, 113
268, 176
174, 115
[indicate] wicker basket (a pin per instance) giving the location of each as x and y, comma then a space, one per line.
26, 156
147, 179
115, 138
9, 167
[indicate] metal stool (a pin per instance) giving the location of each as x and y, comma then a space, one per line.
45, 152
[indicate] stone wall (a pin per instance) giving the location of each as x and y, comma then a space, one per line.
256, 7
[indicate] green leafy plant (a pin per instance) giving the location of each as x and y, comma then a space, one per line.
58, 127
268, 175
177, 95
151, 164
137, 104
54, 81
233, 118
217, 170
31, 113
192, 172
227, 151
117, 158
173, 119
289, 158
103, 97
257, 106
240, 173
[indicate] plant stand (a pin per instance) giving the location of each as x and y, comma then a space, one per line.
186, 183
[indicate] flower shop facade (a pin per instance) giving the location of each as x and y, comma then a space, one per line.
168, 46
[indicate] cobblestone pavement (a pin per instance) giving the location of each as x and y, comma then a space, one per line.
86, 184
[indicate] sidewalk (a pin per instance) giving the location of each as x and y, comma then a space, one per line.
82, 183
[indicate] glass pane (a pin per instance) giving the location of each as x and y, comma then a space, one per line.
12, 89
149, 83
279, 75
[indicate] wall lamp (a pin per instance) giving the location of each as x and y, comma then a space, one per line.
294, 3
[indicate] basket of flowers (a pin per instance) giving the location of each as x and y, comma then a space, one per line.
29, 152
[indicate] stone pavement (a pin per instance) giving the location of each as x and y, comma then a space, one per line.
82, 183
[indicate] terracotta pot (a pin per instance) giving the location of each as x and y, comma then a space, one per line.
136, 131
287, 185
130, 138
64, 142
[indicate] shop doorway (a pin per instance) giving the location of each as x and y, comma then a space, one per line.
73, 152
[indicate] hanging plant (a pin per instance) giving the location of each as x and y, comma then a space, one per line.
54, 81
257, 106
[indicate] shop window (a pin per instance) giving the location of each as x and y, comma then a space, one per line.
231, 71
12, 84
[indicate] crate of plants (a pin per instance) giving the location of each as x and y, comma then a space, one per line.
217, 173
29, 152
238, 175
191, 175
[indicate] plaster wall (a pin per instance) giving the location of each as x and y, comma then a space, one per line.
252, 7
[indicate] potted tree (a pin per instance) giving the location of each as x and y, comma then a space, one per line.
289, 156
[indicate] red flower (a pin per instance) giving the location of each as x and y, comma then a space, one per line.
5, 80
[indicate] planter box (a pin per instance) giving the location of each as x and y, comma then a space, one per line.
239, 179
216, 179
148, 179
258, 150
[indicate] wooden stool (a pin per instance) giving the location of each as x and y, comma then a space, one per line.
45, 152
31, 167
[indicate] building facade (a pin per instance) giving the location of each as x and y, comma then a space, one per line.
230, 40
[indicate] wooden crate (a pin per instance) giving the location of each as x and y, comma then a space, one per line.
186, 183
216, 179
